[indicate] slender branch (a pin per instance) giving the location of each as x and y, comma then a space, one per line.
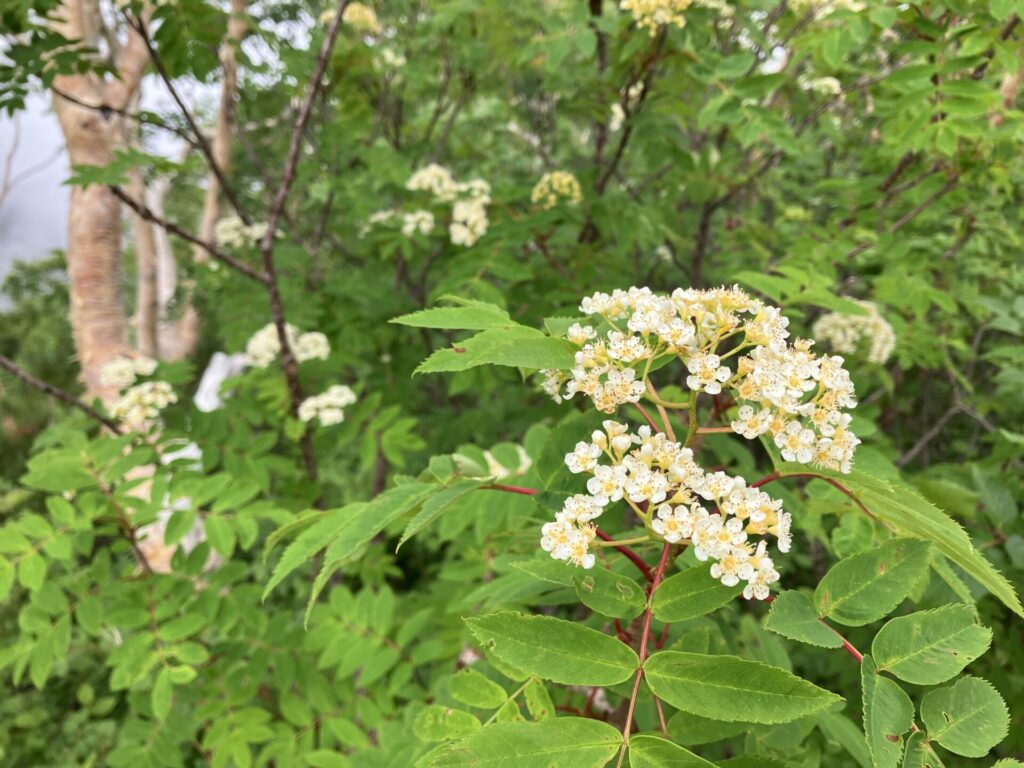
814, 476
928, 436
644, 638
65, 397
146, 213
979, 71
510, 489
289, 364
203, 145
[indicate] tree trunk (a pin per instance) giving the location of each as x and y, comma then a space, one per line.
147, 307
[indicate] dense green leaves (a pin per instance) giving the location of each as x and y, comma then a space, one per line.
474, 689
733, 689
610, 594
690, 594
568, 742
968, 717
554, 649
930, 647
865, 587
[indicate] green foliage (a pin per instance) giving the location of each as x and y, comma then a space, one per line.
930, 647
968, 717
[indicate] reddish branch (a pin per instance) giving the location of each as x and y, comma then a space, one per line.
813, 476
629, 553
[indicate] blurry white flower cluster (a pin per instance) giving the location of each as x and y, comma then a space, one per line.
654, 14
556, 187
846, 333
232, 232
328, 406
785, 390
361, 17
826, 86
140, 405
469, 201
264, 345
121, 372
659, 479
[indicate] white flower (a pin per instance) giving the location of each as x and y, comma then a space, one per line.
361, 18
120, 372
469, 221
618, 117
580, 334
232, 232
312, 346
707, 374
556, 187
417, 221
581, 508
327, 407
653, 14
608, 484
141, 404
673, 524
583, 458
848, 333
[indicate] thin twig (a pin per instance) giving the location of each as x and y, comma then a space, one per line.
144, 211
65, 397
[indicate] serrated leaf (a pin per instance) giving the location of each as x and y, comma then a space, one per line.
478, 317
733, 689
919, 753
888, 714
610, 594
967, 718
866, 586
566, 742
552, 571
516, 347
439, 723
930, 647
475, 690
792, 615
690, 594
911, 515
436, 506
844, 732
554, 649
647, 751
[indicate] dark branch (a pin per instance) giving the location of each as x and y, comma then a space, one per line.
68, 399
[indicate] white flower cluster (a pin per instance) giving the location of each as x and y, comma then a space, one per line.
653, 14
362, 18
845, 333
826, 86
618, 117
232, 232
390, 59
264, 345
143, 402
556, 187
663, 484
791, 394
120, 372
470, 199
327, 406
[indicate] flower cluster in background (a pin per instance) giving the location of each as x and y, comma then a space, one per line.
361, 17
469, 201
846, 333
232, 232
659, 479
653, 14
121, 372
327, 407
141, 404
265, 345
554, 188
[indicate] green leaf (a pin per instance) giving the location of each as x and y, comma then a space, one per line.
732, 689
554, 649
436, 506
538, 700
844, 732
906, 511
689, 729
792, 615
865, 587
888, 714
968, 717
439, 723
6, 578
221, 535
690, 594
517, 347
610, 594
551, 571
32, 571
930, 647
475, 690
162, 695
919, 753
652, 752
478, 317
566, 742
310, 541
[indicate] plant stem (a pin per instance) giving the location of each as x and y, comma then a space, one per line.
510, 489
629, 553
622, 542
714, 430
691, 430
644, 638
815, 476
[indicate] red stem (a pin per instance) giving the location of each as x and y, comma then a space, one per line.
510, 489
814, 476
647, 416
633, 556
857, 655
